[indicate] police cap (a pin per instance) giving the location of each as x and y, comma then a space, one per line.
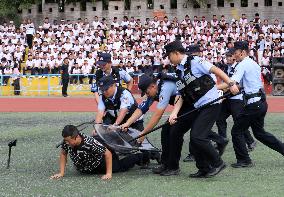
173, 46
144, 82
104, 58
105, 82
230, 52
193, 48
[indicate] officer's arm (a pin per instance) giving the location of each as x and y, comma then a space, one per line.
217, 71
127, 78
101, 111
121, 115
97, 97
130, 84
99, 116
137, 114
155, 118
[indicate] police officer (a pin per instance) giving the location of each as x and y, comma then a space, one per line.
253, 114
232, 106
106, 69
65, 76
162, 89
117, 102
197, 87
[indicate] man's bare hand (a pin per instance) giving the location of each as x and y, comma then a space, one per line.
107, 177
57, 176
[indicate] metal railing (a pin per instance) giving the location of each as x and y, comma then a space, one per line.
45, 85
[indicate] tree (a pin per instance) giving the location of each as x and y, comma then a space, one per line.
9, 9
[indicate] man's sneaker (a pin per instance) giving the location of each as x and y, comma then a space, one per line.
242, 165
216, 170
170, 172
221, 147
159, 169
189, 158
251, 146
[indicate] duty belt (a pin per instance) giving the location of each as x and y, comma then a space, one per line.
249, 96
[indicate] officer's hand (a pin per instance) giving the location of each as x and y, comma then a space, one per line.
57, 176
172, 118
107, 177
113, 127
124, 127
234, 89
141, 139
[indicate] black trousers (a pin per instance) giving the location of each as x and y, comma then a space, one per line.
253, 116
120, 165
30, 40
17, 88
231, 107
205, 154
172, 138
65, 82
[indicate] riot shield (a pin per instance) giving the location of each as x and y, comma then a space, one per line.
118, 140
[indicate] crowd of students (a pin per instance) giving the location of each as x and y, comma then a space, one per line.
135, 45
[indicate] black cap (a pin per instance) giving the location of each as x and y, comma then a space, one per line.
193, 48
230, 52
144, 82
243, 45
105, 82
104, 58
173, 46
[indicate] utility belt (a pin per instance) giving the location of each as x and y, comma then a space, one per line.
249, 98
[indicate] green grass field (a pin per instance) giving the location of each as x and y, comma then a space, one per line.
35, 158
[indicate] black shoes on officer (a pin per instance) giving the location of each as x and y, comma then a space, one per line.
189, 158
216, 170
163, 171
211, 173
170, 172
247, 164
159, 169
198, 174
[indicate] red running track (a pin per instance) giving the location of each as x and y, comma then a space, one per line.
87, 104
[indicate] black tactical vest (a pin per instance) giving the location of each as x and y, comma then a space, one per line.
114, 73
191, 87
164, 77
115, 105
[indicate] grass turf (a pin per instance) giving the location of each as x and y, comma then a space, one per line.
35, 158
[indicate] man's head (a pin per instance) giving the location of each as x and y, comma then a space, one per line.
104, 61
230, 56
70, 134
175, 52
148, 86
107, 86
241, 50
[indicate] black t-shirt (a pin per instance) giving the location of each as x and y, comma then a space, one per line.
64, 69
